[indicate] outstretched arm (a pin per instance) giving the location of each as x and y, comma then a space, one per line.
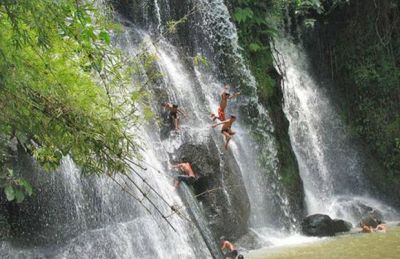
222, 122
224, 246
165, 106
182, 112
234, 95
177, 166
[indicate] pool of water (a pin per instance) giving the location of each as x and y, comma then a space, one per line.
357, 245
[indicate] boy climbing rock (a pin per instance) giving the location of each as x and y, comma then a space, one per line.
225, 96
173, 113
189, 176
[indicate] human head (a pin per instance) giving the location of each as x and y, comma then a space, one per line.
233, 117
226, 86
222, 239
185, 159
240, 257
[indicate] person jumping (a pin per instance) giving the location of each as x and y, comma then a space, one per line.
226, 129
225, 96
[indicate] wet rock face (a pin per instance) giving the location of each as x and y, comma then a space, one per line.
372, 218
252, 241
322, 225
341, 225
360, 212
220, 189
4, 224
63, 205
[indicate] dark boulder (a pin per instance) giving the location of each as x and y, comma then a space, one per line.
341, 225
220, 188
322, 225
317, 225
372, 218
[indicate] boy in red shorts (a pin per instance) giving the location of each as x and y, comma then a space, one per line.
225, 96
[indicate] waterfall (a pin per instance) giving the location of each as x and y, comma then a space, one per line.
331, 165
103, 221
269, 204
94, 217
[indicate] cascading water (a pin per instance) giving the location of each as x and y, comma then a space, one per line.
214, 35
330, 165
269, 204
104, 221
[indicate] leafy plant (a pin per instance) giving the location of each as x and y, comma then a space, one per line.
200, 59
15, 188
63, 88
242, 15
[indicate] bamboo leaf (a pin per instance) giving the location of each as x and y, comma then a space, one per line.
10, 194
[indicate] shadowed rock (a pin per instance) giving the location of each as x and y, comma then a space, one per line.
220, 189
372, 218
322, 225
340, 225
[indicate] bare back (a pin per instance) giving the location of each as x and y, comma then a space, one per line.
187, 168
228, 245
227, 124
224, 101
170, 107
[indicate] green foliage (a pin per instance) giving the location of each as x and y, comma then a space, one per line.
63, 87
15, 188
200, 59
254, 47
255, 31
363, 54
242, 15
303, 7
308, 10
172, 25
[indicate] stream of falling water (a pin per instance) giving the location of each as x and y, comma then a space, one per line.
261, 179
330, 165
112, 225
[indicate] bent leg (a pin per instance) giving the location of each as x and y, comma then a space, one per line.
226, 139
176, 183
176, 123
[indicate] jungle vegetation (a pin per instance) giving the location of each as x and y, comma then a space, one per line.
63, 90
359, 43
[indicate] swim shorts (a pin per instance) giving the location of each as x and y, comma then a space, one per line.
186, 178
221, 113
232, 254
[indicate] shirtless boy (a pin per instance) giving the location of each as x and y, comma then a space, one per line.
231, 251
189, 176
173, 113
226, 129
225, 96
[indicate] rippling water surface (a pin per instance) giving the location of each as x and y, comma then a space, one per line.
360, 245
